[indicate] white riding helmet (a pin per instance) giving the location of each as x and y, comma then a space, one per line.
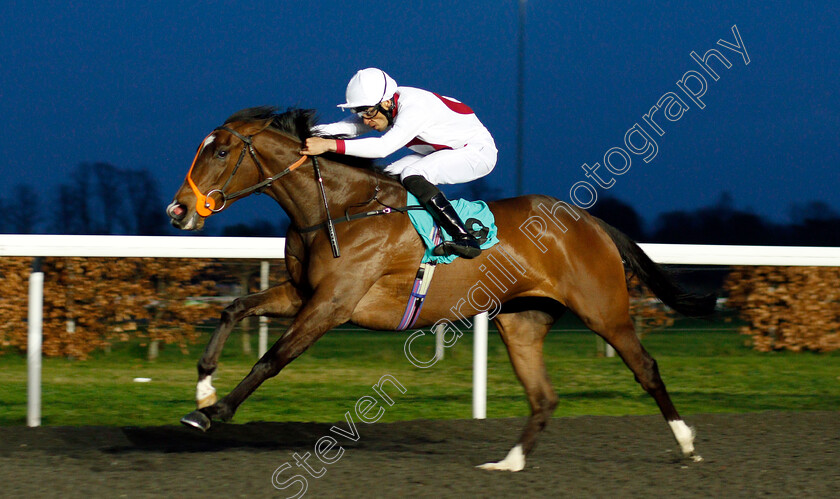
369, 87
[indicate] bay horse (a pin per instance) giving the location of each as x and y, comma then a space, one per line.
563, 258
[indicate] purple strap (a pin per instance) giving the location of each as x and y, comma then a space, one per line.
416, 298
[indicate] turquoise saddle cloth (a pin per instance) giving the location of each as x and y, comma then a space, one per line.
477, 217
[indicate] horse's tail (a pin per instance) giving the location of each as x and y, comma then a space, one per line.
657, 279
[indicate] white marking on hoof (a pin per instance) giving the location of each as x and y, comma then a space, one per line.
685, 437
206, 401
514, 461
205, 394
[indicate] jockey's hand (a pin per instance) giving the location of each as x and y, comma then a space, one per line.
315, 146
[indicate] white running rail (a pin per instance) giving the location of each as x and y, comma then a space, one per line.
271, 248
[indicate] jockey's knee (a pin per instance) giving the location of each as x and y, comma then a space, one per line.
420, 187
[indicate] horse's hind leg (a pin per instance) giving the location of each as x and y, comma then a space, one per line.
282, 300
523, 334
616, 327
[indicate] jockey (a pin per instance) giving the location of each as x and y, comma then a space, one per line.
448, 142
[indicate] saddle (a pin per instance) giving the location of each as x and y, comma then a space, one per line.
478, 220
477, 217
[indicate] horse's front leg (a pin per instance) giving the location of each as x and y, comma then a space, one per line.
330, 306
283, 300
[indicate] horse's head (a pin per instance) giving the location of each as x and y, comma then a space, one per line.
254, 148
226, 165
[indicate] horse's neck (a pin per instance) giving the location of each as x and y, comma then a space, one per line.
345, 186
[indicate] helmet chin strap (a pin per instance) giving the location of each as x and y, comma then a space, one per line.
388, 113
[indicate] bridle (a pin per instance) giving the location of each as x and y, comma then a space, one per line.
205, 205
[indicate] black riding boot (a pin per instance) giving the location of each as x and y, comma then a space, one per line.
463, 243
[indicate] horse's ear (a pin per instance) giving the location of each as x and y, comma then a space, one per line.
262, 127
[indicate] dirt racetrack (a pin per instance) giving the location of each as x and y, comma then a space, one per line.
746, 455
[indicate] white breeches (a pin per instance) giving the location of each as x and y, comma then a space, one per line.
448, 166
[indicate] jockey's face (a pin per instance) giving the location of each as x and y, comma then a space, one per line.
376, 119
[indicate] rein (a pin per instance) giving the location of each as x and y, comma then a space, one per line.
330, 227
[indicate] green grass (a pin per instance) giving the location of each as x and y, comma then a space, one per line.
705, 371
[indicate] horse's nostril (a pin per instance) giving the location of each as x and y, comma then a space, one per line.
177, 211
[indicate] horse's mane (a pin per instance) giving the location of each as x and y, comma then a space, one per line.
297, 123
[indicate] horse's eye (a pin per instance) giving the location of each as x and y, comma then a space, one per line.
222, 153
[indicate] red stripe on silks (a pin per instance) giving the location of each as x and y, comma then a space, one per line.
339, 146
396, 108
417, 142
458, 107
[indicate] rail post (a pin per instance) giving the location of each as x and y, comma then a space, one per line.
263, 347
480, 366
34, 340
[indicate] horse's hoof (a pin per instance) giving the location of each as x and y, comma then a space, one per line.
514, 461
196, 419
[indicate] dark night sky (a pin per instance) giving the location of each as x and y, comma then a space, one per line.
140, 85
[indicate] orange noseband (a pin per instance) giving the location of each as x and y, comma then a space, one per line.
204, 205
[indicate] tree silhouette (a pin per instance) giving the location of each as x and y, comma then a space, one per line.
720, 223
258, 228
100, 198
620, 215
819, 211
145, 210
815, 224
3, 216
22, 213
